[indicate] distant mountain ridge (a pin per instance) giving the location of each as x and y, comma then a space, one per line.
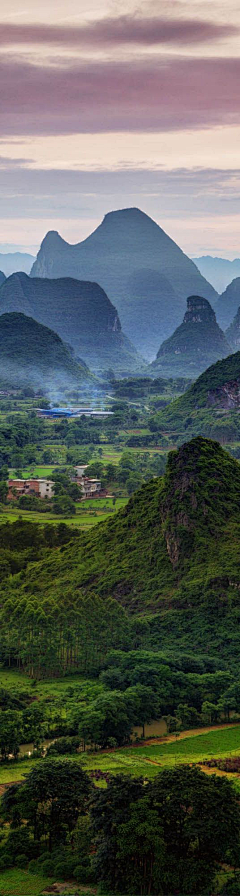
2, 278
81, 314
144, 273
228, 303
193, 346
219, 271
233, 332
31, 354
16, 261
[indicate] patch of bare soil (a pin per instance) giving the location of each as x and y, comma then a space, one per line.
68, 888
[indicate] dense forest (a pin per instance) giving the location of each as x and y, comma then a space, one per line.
165, 836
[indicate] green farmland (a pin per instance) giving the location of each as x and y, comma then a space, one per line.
87, 514
148, 760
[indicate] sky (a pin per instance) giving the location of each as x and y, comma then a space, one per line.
107, 105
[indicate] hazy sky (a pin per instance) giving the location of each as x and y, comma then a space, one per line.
112, 104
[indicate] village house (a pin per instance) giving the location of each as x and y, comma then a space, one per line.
40, 488
90, 488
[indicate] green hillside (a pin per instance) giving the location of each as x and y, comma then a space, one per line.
31, 354
210, 406
170, 559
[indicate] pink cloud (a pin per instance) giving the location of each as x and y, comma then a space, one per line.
125, 29
161, 94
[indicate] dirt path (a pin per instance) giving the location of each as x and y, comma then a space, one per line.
8, 784
216, 771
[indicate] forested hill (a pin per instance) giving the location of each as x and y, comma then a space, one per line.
31, 354
218, 388
171, 557
80, 312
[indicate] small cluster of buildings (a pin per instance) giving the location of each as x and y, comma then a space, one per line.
53, 413
44, 488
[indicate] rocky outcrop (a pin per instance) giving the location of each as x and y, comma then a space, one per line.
196, 344
190, 511
226, 396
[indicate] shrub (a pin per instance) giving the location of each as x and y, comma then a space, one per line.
21, 860
33, 866
5, 861
48, 867
61, 870
63, 746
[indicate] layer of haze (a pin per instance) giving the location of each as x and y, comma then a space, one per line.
107, 105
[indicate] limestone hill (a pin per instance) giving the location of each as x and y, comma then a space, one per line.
196, 344
228, 303
171, 557
144, 273
79, 312
2, 278
233, 332
209, 403
31, 354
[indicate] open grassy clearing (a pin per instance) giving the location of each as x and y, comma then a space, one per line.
12, 679
43, 472
18, 882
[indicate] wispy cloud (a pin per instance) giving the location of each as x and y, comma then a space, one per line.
6, 163
163, 94
89, 193
125, 29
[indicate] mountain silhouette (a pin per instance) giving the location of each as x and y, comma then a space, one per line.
144, 273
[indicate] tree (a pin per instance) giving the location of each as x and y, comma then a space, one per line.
64, 506
141, 849
200, 819
167, 835
110, 808
107, 718
143, 705
51, 799
3, 491
209, 712
133, 483
10, 732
